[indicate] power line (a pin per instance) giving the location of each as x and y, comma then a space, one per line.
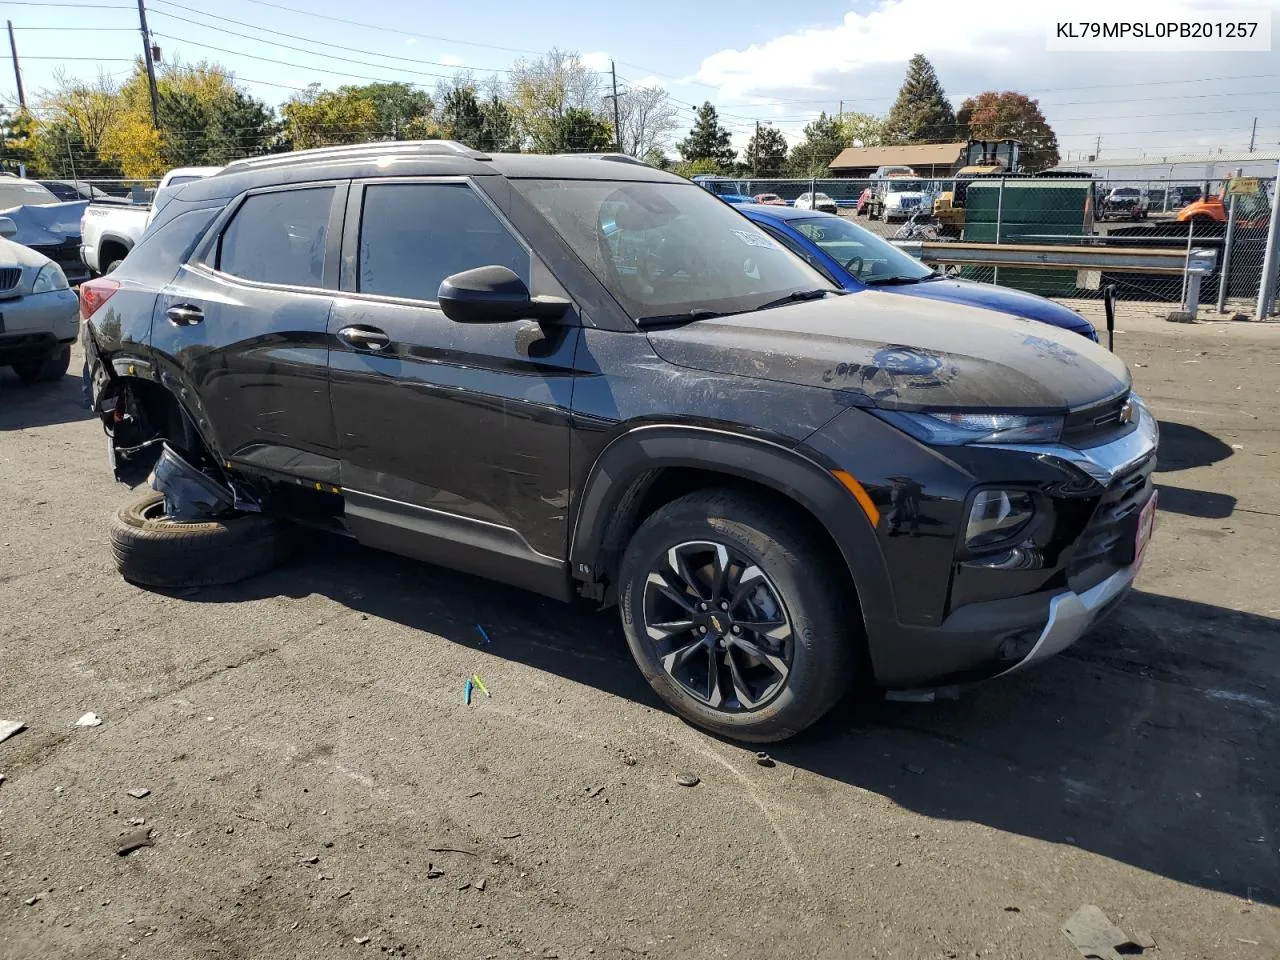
401, 33
81, 29
294, 36
79, 6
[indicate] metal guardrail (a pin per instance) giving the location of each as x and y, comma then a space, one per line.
1055, 257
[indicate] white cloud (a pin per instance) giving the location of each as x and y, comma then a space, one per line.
649, 81
411, 41
451, 60
596, 61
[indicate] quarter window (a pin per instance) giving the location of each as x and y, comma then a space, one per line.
413, 235
279, 237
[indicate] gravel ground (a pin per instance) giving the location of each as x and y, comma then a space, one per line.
319, 789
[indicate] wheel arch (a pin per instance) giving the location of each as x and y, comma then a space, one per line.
112, 247
648, 466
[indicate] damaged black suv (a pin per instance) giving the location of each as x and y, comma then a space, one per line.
585, 376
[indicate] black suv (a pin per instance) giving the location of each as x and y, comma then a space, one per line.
587, 376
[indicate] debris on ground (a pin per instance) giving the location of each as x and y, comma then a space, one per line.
628, 760
687, 779
479, 684
1012, 909
89, 720
595, 791
313, 859
9, 727
765, 760
465, 886
484, 636
32, 901
913, 768
345, 894
135, 840
479, 884
139, 792
509, 836
469, 853
434, 873
361, 940
1094, 935
466, 691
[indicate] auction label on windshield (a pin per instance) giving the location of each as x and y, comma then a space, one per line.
1172, 27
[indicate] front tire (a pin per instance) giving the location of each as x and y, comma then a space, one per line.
735, 616
52, 367
153, 551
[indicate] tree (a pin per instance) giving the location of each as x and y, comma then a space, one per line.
922, 113
498, 131
657, 158
708, 140
543, 91
766, 153
580, 131
17, 131
823, 140
461, 118
318, 118
862, 130
1007, 115
691, 168
398, 107
647, 116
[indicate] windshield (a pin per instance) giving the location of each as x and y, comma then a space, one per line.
667, 250
906, 186
860, 251
15, 193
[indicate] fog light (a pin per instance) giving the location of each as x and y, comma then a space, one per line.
997, 515
1022, 557
1017, 645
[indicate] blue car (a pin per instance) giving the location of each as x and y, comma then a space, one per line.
856, 259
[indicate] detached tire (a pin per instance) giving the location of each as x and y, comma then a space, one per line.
153, 551
52, 367
736, 617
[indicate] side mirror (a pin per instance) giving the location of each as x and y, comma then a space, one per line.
495, 295
8, 228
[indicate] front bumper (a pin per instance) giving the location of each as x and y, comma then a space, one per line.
28, 323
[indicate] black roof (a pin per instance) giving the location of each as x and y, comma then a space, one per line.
415, 158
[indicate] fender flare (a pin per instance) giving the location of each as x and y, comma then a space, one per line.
626, 468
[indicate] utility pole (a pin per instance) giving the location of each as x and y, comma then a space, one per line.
17, 72
617, 122
1252, 137
840, 115
755, 154
151, 67
1097, 147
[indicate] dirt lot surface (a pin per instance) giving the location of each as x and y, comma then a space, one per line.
319, 789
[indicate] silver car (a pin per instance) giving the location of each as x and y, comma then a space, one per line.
816, 201
39, 312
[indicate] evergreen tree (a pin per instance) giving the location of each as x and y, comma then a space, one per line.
766, 153
708, 140
922, 113
824, 138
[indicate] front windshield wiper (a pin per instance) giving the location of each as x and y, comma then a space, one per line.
796, 296
697, 313
899, 281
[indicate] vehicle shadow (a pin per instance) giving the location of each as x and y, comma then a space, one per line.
1150, 742
1196, 503
40, 404
1183, 447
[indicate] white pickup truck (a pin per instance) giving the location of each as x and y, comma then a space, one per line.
109, 231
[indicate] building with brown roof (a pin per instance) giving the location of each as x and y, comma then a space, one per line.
926, 159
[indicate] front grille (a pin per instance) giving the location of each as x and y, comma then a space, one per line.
1109, 538
9, 277
1098, 424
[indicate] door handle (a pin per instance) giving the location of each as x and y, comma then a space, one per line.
364, 338
184, 315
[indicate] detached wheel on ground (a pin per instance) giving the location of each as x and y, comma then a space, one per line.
735, 617
52, 367
153, 551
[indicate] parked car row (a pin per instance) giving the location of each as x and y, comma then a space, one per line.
797, 460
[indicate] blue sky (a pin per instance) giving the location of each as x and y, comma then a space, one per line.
777, 63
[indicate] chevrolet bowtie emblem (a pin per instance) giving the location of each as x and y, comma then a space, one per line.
715, 624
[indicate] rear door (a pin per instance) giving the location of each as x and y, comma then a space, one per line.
454, 437
240, 333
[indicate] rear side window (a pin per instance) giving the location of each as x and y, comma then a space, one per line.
413, 235
163, 250
278, 237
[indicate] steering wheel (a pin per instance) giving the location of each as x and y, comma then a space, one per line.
849, 265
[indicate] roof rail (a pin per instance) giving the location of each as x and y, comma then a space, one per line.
409, 147
615, 157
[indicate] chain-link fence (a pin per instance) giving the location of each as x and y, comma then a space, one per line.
1077, 211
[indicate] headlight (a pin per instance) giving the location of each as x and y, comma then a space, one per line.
997, 515
951, 429
49, 279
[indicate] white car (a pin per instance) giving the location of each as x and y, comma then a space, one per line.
816, 201
109, 231
39, 312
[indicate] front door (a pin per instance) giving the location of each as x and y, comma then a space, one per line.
454, 438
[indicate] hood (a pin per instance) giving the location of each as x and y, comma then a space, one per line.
1001, 299
46, 225
16, 255
895, 352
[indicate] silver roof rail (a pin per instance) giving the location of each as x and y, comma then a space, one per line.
398, 147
